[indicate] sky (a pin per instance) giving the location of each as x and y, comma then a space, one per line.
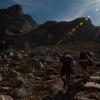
58, 10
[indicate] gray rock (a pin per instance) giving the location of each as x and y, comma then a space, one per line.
6, 97
37, 64
24, 91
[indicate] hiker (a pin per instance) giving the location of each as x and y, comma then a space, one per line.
85, 60
67, 63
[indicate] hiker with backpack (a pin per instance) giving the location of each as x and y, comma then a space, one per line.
66, 68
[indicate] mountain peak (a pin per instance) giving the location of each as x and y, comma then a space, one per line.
15, 10
13, 20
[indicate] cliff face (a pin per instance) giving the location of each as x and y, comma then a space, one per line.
14, 21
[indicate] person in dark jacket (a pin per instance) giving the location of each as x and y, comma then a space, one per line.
85, 60
67, 63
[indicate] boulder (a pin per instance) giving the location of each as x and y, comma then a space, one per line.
24, 91
6, 97
28, 65
15, 79
92, 85
37, 64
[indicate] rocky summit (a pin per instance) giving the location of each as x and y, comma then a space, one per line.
55, 33
13, 21
80, 29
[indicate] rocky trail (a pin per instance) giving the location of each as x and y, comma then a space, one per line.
81, 89
50, 87
44, 82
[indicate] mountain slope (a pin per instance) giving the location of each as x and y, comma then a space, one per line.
14, 21
80, 29
17, 28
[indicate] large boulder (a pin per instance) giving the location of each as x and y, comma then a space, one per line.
15, 79
24, 91
30, 64
6, 97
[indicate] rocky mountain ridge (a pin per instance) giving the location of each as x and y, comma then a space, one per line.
13, 21
17, 28
78, 30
